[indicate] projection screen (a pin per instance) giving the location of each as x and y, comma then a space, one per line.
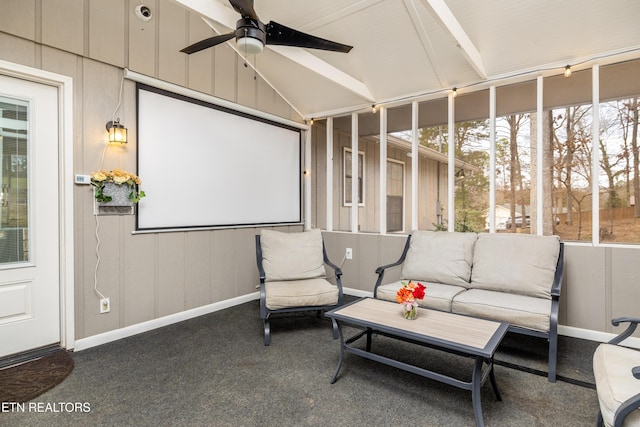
204, 165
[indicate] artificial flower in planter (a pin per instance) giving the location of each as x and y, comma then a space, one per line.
114, 183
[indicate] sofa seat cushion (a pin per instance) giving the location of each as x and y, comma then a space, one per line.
300, 293
615, 384
292, 256
516, 263
518, 310
440, 257
437, 295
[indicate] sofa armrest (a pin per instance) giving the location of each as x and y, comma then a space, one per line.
380, 270
633, 324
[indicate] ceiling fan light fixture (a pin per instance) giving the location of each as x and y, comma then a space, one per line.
250, 36
249, 45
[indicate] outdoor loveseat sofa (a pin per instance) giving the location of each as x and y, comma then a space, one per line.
508, 277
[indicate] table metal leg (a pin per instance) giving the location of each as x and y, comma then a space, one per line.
476, 384
335, 376
492, 378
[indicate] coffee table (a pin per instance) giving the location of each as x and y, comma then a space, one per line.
453, 333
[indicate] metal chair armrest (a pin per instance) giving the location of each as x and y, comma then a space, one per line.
261, 273
380, 270
633, 324
557, 278
338, 270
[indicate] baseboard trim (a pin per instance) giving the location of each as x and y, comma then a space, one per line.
357, 292
588, 334
117, 334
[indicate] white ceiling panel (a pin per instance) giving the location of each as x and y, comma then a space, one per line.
405, 48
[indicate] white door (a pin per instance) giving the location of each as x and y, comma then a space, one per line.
29, 227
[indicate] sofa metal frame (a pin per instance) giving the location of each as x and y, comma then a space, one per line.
266, 312
632, 403
551, 336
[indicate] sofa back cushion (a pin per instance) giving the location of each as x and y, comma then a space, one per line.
523, 264
292, 256
440, 256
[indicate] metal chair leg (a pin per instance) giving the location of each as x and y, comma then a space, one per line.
267, 332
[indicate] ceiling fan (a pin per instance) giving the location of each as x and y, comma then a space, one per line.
251, 34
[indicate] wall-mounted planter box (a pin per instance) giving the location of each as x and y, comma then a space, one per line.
120, 203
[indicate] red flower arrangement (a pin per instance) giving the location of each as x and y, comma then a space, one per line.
407, 295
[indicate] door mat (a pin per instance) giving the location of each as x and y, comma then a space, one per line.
29, 380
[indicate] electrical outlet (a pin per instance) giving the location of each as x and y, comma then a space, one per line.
349, 253
105, 305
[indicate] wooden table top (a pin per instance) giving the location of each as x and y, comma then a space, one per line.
453, 331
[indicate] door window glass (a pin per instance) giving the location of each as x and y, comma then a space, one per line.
14, 176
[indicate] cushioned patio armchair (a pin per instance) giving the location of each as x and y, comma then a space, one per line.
293, 276
617, 373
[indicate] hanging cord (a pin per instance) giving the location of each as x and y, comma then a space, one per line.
119, 100
104, 151
95, 272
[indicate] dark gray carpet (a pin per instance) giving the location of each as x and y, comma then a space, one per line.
215, 371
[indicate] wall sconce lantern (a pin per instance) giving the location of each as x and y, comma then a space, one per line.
117, 132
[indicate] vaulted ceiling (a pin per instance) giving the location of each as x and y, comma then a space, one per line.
408, 48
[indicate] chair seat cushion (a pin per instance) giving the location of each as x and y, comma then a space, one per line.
437, 295
519, 310
300, 293
615, 384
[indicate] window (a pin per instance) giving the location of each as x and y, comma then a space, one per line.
433, 164
513, 171
587, 187
348, 176
14, 180
395, 195
572, 171
471, 178
619, 171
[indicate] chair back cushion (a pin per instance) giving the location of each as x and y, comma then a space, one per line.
522, 264
440, 256
292, 256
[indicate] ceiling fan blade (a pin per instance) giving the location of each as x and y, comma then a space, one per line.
207, 43
244, 8
278, 34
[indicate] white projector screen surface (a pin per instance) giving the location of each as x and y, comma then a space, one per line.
204, 167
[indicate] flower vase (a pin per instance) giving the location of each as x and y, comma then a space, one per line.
411, 312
